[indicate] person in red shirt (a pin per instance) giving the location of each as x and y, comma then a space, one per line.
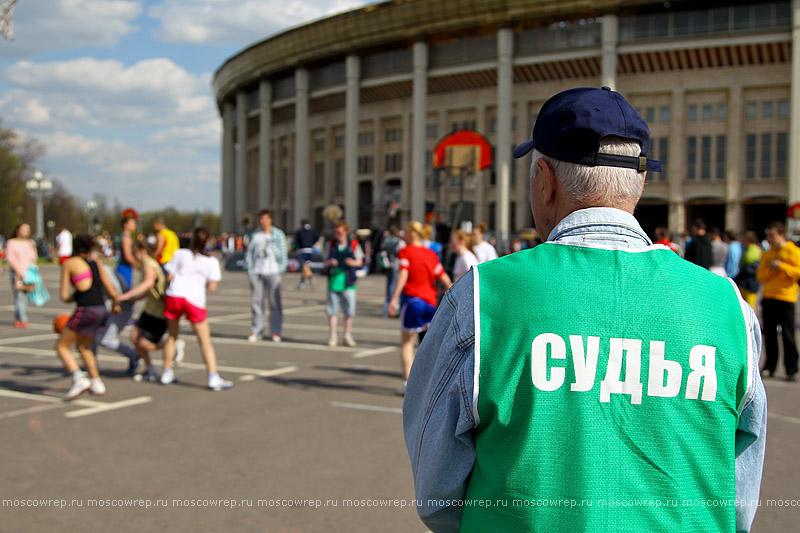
415, 291
663, 237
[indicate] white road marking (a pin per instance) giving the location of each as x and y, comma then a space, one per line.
784, 418
268, 373
28, 338
43, 398
376, 351
225, 318
363, 407
284, 344
303, 310
32, 351
108, 407
31, 410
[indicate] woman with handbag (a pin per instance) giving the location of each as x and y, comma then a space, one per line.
20, 254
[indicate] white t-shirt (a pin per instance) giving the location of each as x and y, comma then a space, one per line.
190, 274
463, 263
484, 252
64, 242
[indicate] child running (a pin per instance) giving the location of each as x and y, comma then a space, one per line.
82, 273
190, 274
151, 325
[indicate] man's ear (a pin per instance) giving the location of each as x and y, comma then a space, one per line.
547, 182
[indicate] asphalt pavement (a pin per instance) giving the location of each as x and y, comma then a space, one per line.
309, 439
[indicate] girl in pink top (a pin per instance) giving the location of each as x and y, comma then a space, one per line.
20, 253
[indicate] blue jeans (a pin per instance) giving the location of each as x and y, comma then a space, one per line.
20, 301
391, 281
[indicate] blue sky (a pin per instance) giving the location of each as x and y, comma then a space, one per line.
118, 91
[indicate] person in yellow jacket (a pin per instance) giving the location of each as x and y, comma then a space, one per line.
167, 241
778, 273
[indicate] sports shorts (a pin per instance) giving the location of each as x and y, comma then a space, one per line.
152, 327
175, 307
87, 321
415, 313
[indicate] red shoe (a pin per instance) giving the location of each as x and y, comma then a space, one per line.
22, 325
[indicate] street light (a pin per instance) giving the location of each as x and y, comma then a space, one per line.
38, 187
91, 205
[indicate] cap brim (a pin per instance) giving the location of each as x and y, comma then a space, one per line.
523, 149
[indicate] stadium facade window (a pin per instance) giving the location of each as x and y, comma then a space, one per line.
692, 113
663, 113
722, 111
366, 138
338, 176
366, 164
766, 155
751, 109
393, 162
781, 146
319, 178
722, 147
691, 157
705, 157
750, 156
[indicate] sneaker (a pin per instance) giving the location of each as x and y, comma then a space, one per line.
133, 365
168, 377
79, 386
791, 377
148, 376
333, 341
21, 325
180, 350
98, 388
349, 340
767, 374
401, 390
216, 383
252, 338
300, 285
276, 337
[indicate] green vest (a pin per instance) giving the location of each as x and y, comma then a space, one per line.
609, 390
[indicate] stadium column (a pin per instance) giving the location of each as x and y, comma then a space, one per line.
240, 192
609, 38
352, 103
505, 94
301, 141
794, 119
676, 219
419, 112
228, 154
264, 148
733, 205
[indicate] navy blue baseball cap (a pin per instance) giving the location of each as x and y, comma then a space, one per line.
571, 124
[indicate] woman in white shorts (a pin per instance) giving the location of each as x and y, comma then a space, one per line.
190, 274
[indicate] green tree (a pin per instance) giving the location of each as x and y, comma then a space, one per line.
17, 158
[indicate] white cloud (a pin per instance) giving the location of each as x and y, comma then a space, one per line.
89, 92
41, 25
238, 21
200, 136
146, 176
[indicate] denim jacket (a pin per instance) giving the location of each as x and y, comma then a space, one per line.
437, 411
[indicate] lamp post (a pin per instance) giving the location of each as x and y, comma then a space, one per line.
51, 231
38, 186
91, 205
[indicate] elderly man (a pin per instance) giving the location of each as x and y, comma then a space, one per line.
560, 384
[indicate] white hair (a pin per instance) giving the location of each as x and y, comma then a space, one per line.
601, 185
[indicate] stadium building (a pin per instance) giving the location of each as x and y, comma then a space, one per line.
348, 109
